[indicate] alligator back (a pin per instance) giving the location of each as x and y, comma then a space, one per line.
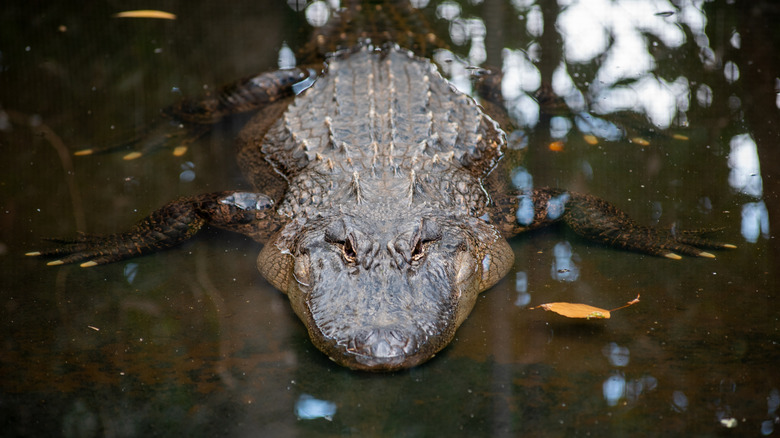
376, 108
383, 115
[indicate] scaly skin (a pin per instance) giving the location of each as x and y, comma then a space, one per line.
372, 201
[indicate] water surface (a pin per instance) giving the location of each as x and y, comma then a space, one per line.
670, 112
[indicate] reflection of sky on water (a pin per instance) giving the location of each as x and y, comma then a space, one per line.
563, 266
187, 172
777, 91
679, 401
619, 36
617, 387
130, 271
773, 403
743, 161
618, 356
310, 408
614, 388
521, 286
745, 177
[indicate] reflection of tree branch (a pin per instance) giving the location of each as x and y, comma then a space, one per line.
549, 59
67, 164
552, 49
494, 12
204, 281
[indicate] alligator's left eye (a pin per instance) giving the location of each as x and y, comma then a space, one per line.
418, 252
429, 233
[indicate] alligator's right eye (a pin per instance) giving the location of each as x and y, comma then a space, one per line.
336, 234
344, 243
348, 251
429, 232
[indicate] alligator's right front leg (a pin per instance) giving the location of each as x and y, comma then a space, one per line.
195, 116
244, 212
245, 95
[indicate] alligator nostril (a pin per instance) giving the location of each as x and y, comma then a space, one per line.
385, 343
382, 349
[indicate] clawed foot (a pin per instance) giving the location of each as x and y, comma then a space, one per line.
671, 244
90, 250
176, 222
601, 221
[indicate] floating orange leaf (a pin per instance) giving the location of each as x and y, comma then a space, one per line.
146, 13
179, 151
591, 139
556, 146
640, 141
576, 310
680, 137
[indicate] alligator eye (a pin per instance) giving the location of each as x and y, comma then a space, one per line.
348, 251
417, 251
429, 233
336, 234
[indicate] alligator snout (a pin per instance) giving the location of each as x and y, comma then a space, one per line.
385, 348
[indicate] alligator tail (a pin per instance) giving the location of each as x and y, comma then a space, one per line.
378, 21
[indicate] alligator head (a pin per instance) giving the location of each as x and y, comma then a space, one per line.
382, 295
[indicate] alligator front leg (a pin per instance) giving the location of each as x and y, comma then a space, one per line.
245, 95
192, 118
601, 221
244, 212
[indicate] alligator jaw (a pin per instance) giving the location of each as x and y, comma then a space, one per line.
383, 350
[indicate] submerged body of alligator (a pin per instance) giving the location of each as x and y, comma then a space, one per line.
386, 231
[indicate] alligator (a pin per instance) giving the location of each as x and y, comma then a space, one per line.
378, 198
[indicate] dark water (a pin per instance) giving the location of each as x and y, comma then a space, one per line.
194, 342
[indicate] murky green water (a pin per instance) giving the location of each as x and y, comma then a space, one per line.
194, 342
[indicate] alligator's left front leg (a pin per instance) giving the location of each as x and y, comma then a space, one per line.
244, 212
598, 220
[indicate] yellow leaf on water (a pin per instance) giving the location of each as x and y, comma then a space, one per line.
146, 13
576, 310
591, 139
556, 146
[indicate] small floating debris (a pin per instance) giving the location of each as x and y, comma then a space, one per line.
145, 13
556, 146
591, 139
132, 156
179, 151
